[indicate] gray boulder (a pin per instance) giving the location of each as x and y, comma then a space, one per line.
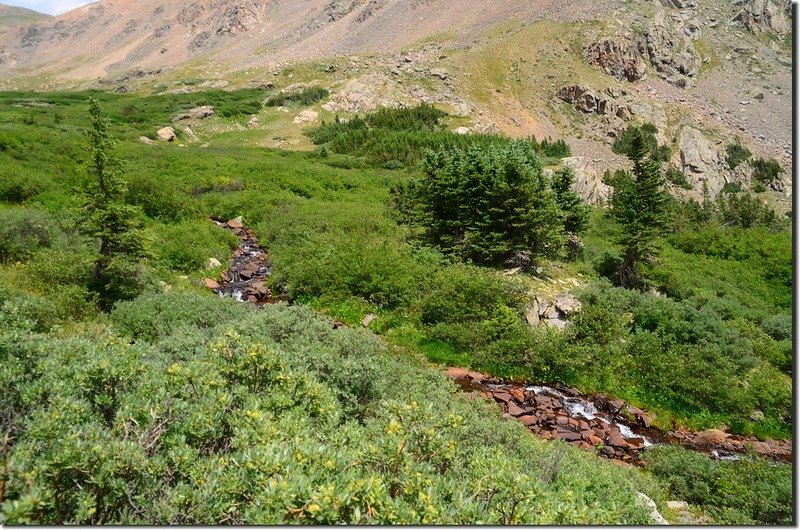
588, 183
167, 134
701, 161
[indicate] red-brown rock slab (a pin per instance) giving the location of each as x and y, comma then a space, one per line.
762, 448
502, 397
518, 394
594, 440
211, 284
476, 376
585, 445
636, 442
615, 439
586, 434
515, 410
235, 223
528, 420
569, 436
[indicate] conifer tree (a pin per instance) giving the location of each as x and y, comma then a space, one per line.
573, 209
641, 205
114, 224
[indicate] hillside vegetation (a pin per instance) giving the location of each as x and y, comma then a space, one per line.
178, 407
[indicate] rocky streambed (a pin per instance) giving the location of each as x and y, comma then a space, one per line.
245, 279
611, 427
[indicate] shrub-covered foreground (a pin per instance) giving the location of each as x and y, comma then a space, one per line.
744, 492
194, 410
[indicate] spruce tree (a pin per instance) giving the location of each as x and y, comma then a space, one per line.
641, 205
114, 224
574, 212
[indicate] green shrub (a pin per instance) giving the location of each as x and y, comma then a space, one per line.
186, 247
677, 177
624, 144
16, 188
23, 231
736, 154
731, 187
766, 171
254, 429
750, 491
305, 96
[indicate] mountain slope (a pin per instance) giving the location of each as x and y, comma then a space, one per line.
707, 75
12, 16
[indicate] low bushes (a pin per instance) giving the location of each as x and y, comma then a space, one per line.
746, 492
275, 418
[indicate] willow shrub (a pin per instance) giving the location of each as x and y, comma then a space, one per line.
275, 417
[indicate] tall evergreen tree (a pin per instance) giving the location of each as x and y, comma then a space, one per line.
114, 224
641, 205
574, 211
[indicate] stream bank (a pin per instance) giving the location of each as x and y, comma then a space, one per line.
611, 427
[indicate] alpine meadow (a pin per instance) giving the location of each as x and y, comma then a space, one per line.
397, 262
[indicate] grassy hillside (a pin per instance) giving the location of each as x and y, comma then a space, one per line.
373, 420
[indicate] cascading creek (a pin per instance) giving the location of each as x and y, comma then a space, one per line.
611, 427
245, 279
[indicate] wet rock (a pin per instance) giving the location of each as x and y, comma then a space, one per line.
166, 134
762, 448
456, 373
518, 394
615, 439
619, 58
502, 397
569, 436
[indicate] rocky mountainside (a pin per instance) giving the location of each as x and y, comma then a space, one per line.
707, 74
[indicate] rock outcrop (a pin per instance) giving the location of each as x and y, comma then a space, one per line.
588, 183
590, 101
619, 58
197, 113
552, 312
701, 161
762, 16
669, 44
